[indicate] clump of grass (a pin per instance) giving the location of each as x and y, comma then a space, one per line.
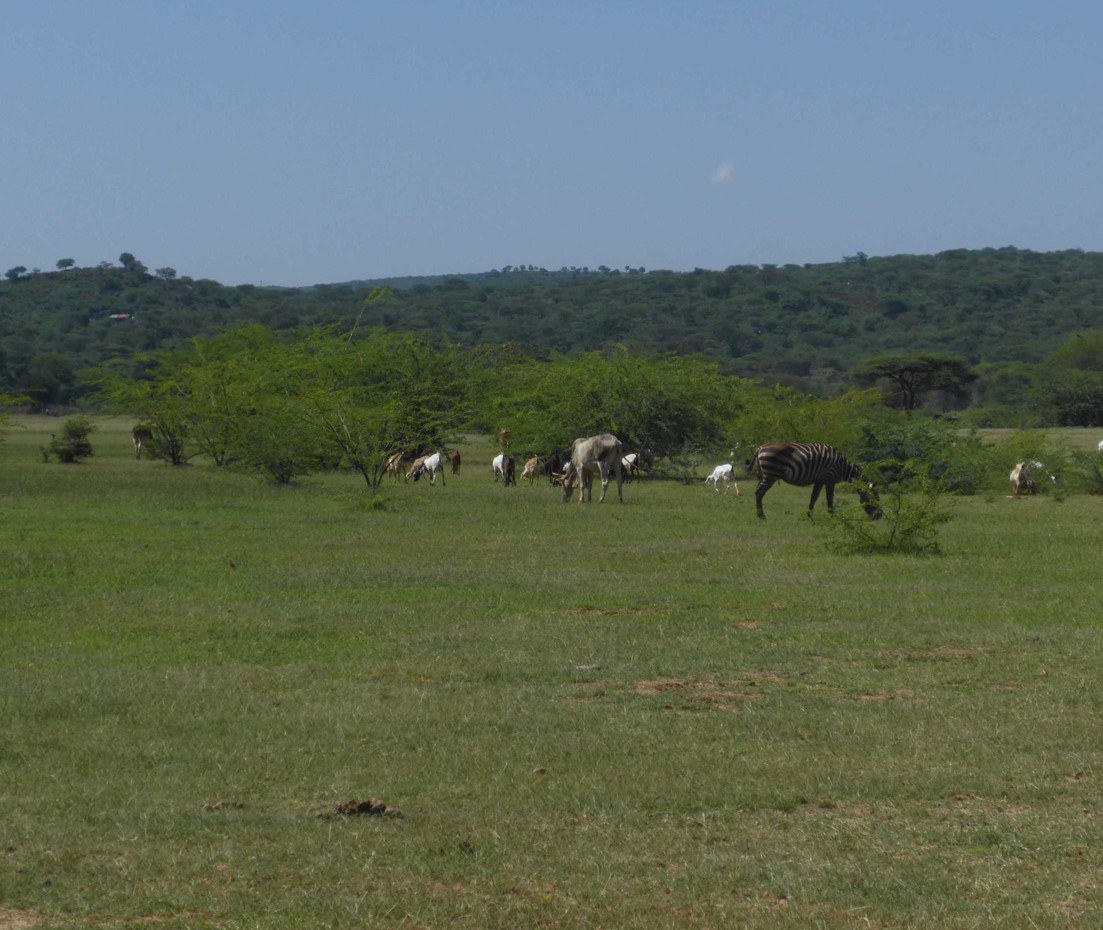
375, 503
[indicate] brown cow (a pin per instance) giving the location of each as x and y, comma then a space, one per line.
394, 466
141, 433
531, 470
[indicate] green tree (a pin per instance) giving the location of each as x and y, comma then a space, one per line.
49, 378
377, 393
12, 274
1082, 351
914, 375
130, 263
668, 405
161, 402
65, 263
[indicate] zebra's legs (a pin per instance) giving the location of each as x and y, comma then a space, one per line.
829, 486
764, 485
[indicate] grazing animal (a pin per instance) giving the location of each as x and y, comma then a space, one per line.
531, 469
725, 474
1021, 481
631, 465
1101, 446
431, 465
141, 433
602, 453
394, 466
454, 461
555, 463
803, 464
503, 466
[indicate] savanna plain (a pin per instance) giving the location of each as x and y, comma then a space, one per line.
227, 704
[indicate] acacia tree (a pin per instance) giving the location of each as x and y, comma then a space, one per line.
667, 405
370, 394
914, 375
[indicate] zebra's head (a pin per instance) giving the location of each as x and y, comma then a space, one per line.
870, 503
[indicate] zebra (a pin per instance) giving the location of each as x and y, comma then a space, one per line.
803, 464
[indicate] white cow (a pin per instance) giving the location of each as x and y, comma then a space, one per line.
503, 466
602, 453
431, 465
725, 474
1021, 480
1101, 446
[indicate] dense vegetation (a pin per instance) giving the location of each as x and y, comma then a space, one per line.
1014, 316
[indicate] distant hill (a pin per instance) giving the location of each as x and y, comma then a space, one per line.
802, 325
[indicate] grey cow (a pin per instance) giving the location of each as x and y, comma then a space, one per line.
602, 453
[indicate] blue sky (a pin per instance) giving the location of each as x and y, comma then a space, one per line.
292, 143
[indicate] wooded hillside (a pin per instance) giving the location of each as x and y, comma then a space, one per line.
805, 326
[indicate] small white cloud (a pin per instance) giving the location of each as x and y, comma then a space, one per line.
722, 173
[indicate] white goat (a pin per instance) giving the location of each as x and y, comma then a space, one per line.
725, 474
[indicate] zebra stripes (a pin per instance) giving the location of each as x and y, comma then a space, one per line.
803, 464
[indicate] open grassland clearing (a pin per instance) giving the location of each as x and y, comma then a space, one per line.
662, 714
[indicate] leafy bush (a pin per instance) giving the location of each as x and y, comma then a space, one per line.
912, 512
73, 444
1051, 462
1087, 471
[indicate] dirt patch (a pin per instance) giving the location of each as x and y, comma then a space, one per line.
707, 692
354, 807
18, 920
659, 686
877, 697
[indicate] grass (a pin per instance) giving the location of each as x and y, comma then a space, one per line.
662, 714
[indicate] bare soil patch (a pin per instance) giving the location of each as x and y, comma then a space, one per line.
18, 920
720, 694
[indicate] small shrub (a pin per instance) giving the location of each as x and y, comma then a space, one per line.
73, 444
912, 512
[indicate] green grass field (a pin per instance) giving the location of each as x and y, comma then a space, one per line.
664, 714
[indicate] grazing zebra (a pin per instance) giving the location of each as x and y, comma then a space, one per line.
803, 464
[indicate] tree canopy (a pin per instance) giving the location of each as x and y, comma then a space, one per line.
915, 374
